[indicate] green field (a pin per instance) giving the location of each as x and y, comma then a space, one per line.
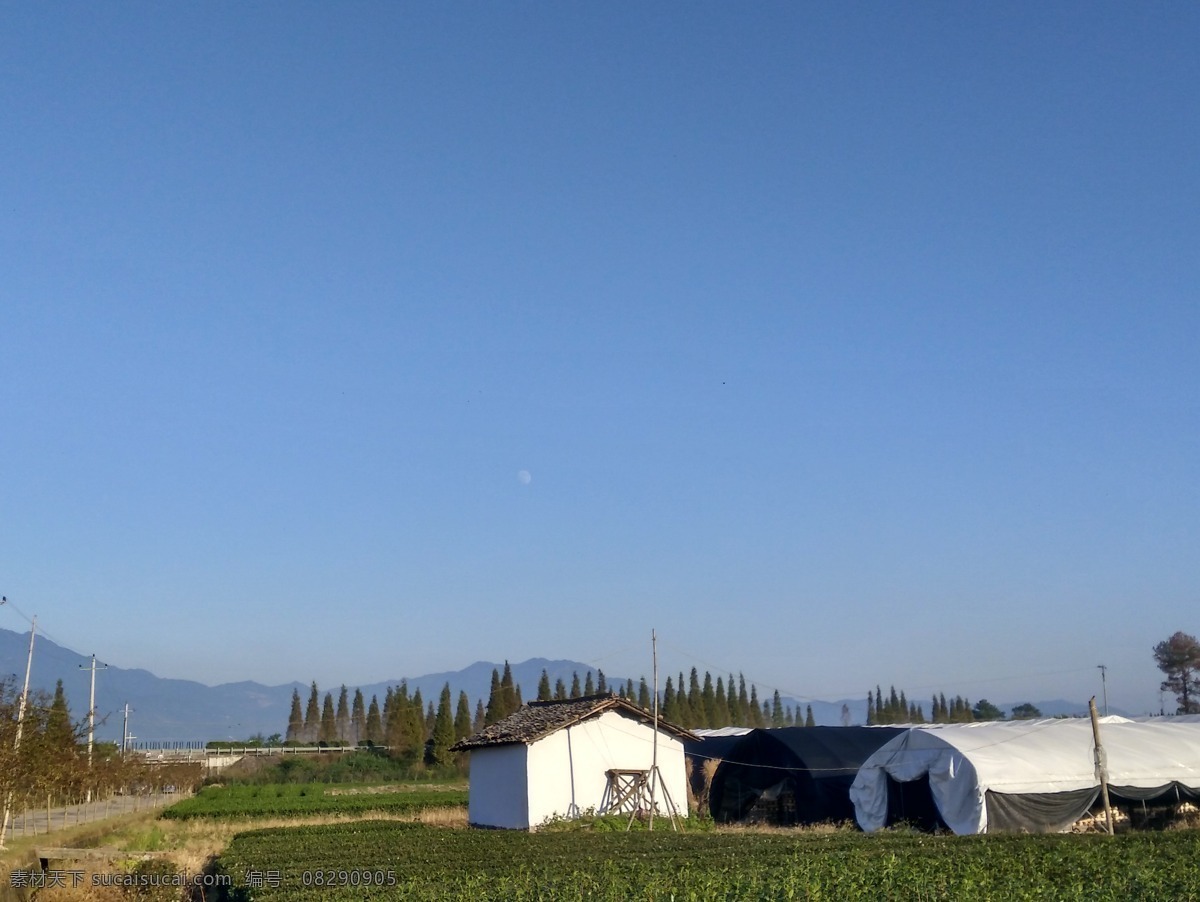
303, 799
391, 860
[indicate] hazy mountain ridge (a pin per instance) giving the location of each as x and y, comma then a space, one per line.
163, 709
172, 710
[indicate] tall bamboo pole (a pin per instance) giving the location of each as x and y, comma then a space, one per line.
1101, 765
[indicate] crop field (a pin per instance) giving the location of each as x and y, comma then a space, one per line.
392, 860
299, 800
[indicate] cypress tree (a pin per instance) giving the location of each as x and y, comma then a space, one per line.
442, 732
721, 705
670, 705
601, 682
756, 718
776, 710
543, 689
480, 719
59, 733
312, 715
879, 714
419, 721
397, 722
509, 691
870, 708
708, 698
589, 686
695, 702
50, 750
576, 691
743, 703
295, 728
328, 730
342, 717
643, 697
374, 723
495, 705
462, 717
809, 721
560, 690
684, 717
358, 718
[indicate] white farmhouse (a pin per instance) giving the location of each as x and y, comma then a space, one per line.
559, 759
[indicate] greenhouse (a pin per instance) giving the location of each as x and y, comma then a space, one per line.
793, 775
1024, 776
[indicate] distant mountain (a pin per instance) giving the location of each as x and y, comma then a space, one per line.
173, 711
476, 680
161, 710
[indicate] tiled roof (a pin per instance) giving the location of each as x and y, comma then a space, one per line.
539, 719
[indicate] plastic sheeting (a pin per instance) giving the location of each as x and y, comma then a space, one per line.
793, 775
1035, 776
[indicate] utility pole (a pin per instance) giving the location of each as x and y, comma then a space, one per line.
1104, 686
125, 737
91, 715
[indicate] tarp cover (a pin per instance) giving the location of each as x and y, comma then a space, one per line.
1033, 775
805, 772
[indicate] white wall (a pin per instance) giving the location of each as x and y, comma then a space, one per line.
567, 769
498, 796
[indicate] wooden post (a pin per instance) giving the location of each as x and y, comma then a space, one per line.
654, 752
1101, 768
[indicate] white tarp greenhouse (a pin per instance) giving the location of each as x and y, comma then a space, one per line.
1030, 776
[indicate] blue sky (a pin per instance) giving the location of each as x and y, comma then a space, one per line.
843, 344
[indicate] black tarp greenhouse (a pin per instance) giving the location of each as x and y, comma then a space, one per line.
793, 775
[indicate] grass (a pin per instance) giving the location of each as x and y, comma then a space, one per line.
303, 799
428, 863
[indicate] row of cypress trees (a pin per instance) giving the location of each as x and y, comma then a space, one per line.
407, 724
896, 708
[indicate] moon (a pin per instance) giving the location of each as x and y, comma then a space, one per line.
524, 477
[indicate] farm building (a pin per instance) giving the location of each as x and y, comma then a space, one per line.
1035, 776
793, 775
559, 759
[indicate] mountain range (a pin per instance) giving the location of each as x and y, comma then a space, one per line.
169, 711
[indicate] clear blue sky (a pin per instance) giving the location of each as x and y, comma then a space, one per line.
843, 344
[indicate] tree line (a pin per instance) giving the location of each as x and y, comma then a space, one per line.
44, 760
418, 729
895, 708
410, 727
